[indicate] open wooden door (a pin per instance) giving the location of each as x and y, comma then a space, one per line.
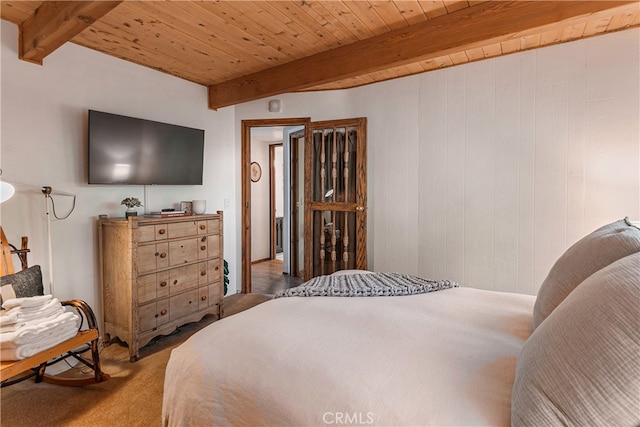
335, 197
296, 224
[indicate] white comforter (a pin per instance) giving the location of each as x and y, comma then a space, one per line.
445, 358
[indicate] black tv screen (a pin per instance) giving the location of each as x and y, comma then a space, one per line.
127, 150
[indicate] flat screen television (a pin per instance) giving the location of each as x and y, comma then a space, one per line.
127, 150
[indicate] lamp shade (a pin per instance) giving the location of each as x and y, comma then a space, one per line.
6, 191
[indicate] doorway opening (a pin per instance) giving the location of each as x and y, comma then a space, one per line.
272, 214
324, 227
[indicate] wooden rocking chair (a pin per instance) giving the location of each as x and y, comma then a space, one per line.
13, 371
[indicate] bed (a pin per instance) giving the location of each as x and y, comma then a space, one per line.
456, 356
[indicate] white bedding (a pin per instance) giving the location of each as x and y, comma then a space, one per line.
441, 358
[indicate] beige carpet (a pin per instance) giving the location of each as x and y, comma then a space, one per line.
132, 397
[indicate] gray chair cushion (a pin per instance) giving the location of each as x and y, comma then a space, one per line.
25, 283
593, 252
581, 366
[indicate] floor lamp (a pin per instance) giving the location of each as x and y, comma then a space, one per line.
7, 190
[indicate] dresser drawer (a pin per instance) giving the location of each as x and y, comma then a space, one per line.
210, 295
152, 315
152, 286
183, 304
203, 297
215, 293
149, 233
203, 273
183, 229
214, 270
183, 251
203, 247
209, 246
214, 246
152, 257
182, 278
211, 226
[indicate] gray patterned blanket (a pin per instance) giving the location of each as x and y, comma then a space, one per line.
366, 285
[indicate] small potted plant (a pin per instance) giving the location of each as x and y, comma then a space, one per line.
131, 203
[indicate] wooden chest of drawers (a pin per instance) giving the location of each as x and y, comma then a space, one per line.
158, 274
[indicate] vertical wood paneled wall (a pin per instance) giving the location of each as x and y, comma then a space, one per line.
486, 173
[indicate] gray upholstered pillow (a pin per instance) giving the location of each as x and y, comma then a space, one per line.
581, 366
25, 283
593, 252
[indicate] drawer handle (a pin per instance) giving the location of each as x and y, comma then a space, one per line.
175, 282
204, 239
162, 231
163, 284
163, 312
203, 298
217, 268
163, 255
203, 273
202, 226
189, 302
203, 248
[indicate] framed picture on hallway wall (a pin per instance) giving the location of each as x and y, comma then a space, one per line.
256, 172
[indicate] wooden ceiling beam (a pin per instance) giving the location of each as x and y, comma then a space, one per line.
56, 22
472, 27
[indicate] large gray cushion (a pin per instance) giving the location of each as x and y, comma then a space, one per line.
25, 283
582, 365
593, 252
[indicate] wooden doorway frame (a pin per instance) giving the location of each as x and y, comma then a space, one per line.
246, 186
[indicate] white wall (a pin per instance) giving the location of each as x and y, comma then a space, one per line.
43, 142
260, 203
261, 199
485, 173
482, 173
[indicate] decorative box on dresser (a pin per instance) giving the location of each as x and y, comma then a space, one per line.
158, 274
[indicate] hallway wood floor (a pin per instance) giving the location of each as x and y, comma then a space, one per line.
267, 278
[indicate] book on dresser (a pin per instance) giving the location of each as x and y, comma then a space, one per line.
166, 214
158, 274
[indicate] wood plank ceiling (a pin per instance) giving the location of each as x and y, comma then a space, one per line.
246, 50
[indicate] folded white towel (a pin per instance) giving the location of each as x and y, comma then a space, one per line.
50, 336
28, 350
51, 309
11, 327
8, 318
31, 333
35, 301
35, 318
